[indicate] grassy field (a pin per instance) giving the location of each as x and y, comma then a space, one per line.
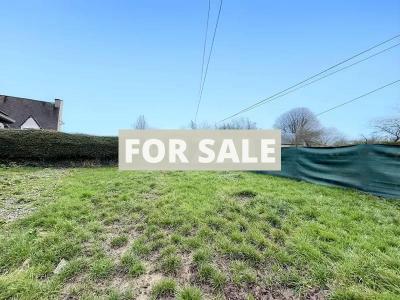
100, 233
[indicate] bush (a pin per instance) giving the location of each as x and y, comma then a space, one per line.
50, 146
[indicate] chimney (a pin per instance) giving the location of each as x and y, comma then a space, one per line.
58, 103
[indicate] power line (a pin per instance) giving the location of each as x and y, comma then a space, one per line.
212, 44
357, 98
204, 45
208, 61
318, 79
311, 77
277, 95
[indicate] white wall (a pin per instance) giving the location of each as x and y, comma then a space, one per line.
30, 124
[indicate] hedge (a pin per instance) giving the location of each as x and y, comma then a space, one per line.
50, 146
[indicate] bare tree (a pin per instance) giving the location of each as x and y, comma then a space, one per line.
192, 125
300, 126
332, 137
388, 128
242, 123
141, 123
202, 125
366, 139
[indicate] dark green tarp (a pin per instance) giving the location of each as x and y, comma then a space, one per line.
371, 168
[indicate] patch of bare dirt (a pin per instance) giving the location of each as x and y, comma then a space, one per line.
12, 210
144, 285
151, 195
316, 294
68, 292
245, 195
113, 231
140, 287
232, 176
234, 292
20, 193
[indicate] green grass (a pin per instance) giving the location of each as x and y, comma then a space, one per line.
132, 265
192, 234
242, 274
101, 268
190, 293
164, 288
119, 241
171, 264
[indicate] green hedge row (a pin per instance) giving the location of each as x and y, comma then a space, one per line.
50, 146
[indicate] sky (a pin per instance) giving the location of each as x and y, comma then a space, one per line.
111, 61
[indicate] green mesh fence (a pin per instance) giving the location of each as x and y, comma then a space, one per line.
371, 168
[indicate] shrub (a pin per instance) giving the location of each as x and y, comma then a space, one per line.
51, 146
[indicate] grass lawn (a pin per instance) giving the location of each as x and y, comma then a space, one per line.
99, 233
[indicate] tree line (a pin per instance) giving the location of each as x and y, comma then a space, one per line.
301, 127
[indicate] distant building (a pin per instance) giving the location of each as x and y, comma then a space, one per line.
21, 113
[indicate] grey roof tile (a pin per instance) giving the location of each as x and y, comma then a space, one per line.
20, 109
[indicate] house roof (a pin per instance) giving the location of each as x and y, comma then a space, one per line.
4, 118
20, 109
